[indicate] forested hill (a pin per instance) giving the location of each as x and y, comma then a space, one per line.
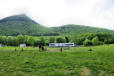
22, 24
79, 29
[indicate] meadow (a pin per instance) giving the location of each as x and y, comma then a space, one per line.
76, 61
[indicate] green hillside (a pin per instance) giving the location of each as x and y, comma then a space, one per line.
21, 24
79, 29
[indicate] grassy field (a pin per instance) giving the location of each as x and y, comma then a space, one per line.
72, 62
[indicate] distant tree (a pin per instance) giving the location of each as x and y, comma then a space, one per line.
4, 40
78, 40
52, 40
21, 39
37, 42
30, 40
11, 41
60, 40
42, 41
103, 36
0, 39
109, 40
90, 36
95, 41
67, 39
87, 42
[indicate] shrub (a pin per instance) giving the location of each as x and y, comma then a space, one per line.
87, 42
78, 41
95, 41
109, 40
60, 40
52, 40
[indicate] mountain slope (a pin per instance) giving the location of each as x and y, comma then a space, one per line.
21, 24
72, 29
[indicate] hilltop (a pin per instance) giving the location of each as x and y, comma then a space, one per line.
21, 24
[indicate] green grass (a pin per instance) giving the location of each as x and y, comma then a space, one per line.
73, 62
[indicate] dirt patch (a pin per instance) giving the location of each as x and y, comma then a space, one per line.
52, 51
66, 71
102, 73
85, 72
20, 73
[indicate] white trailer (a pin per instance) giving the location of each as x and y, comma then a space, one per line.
22, 45
61, 45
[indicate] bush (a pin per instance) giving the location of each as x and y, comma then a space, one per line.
78, 41
109, 40
60, 40
87, 42
52, 40
95, 41
42, 40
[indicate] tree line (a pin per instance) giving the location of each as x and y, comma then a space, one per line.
87, 39
30, 40
93, 39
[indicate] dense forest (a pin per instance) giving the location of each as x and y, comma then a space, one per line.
87, 39
22, 24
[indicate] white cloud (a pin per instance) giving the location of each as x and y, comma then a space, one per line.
97, 13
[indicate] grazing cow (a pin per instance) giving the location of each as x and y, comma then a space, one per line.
42, 48
39, 47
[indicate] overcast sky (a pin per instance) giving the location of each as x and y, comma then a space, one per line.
98, 13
